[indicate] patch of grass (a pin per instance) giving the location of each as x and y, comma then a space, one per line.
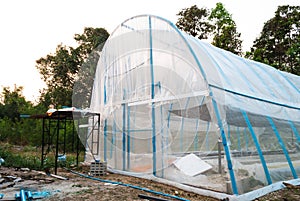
85, 191
18, 160
30, 157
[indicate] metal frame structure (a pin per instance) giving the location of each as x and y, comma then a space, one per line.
55, 129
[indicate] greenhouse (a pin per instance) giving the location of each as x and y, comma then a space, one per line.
181, 109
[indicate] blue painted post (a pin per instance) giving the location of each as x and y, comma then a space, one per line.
229, 163
226, 148
105, 140
105, 123
281, 143
153, 104
124, 136
262, 159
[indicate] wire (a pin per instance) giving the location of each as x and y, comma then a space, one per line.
127, 185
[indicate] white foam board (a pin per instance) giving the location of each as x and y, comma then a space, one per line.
191, 165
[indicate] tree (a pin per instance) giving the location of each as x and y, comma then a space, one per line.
293, 54
11, 126
194, 21
14, 103
91, 45
59, 70
279, 41
225, 32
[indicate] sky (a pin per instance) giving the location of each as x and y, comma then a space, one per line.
32, 29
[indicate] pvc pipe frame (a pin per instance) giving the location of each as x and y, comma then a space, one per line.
215, 106
124, 137
262, 159
128, 185
281, 143
152, 97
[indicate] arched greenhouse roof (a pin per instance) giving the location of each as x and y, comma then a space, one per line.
163, 94
237, 83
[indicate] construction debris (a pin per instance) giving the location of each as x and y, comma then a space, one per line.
51, 175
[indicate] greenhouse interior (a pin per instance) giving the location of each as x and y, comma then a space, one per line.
180, 109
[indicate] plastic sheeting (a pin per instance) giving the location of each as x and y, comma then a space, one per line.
163, 94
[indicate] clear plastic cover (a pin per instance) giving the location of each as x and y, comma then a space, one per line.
163, 95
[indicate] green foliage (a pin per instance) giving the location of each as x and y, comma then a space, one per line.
14, 103
294, 57
194, 21
14, 129
225, 32
30, 157
59, 70
279, 41
18, 160
58, 73
218, 22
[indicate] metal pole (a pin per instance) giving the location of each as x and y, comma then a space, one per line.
43, 143
153, 104
124, 137
57, 139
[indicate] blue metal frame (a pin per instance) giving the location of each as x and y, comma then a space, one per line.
262, 159
124, 136
297, 90
152, 97
226, 148
105, 140
105, 124
255, 98
215, 106
281, 143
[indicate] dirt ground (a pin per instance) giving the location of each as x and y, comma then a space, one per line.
80, 188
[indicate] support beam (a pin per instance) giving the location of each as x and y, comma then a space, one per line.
153, 104
285, 151
262, 159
